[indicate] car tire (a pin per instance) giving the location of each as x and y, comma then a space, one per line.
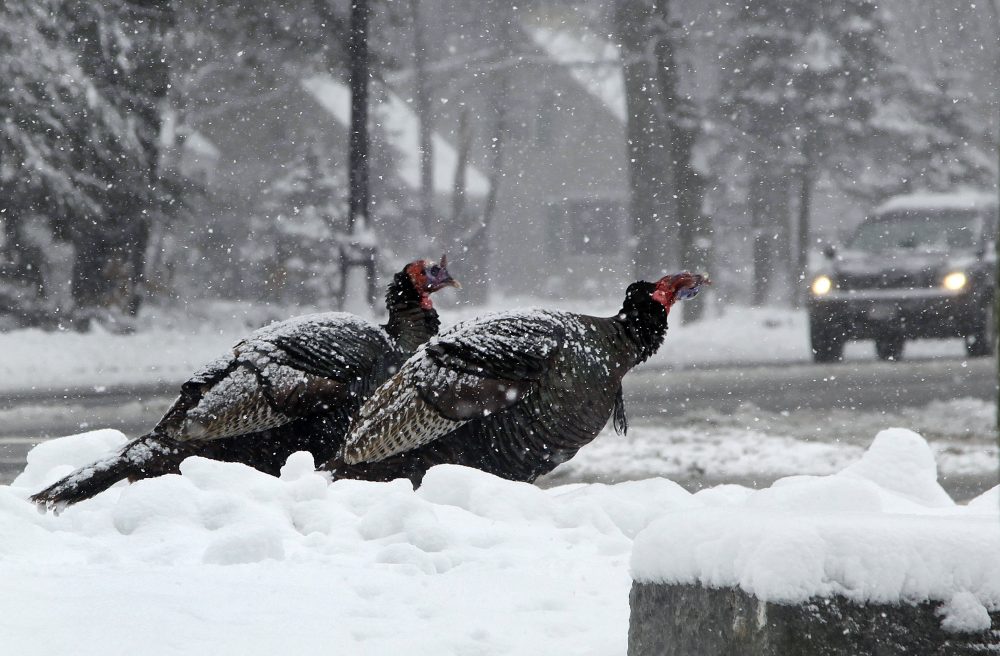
890, 347
827, 342
982, 340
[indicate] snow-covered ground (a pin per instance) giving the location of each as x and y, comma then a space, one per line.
225, 560
171, 344
757, 446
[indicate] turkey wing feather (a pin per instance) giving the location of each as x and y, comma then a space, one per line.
470, 372
279, 373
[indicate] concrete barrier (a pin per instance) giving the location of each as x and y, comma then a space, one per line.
690, 620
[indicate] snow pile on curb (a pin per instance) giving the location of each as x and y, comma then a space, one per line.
225, 559
882, 530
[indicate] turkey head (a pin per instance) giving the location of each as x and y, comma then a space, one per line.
428, 277
678, 287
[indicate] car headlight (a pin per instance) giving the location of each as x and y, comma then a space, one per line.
955, 281
821, 285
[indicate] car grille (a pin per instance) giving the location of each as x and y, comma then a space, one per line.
890, 280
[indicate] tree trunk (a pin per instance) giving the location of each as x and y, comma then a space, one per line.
11, 228
692, 228
138, 245
641, 35
762, 235
476, 236
461, 164
762, 268
802, 252
995, 7
89, 285
770, 222
152, 75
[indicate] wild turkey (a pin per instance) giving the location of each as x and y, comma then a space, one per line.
287, 387
513, 394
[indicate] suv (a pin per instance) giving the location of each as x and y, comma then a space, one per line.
922, 265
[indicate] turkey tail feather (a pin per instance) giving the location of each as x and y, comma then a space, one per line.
130, 463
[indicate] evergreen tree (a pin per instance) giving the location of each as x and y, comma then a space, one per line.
924, 138
800, 87
120, 49
304, 227
82, 88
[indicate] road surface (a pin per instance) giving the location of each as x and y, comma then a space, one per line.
796, 394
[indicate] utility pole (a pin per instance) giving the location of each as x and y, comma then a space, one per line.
360, 252
422, 96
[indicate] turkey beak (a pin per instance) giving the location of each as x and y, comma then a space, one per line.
448, 280
689, 285
442, 279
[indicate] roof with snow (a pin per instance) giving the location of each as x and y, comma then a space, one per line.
199, 144
403, 129
957, 200
592, 61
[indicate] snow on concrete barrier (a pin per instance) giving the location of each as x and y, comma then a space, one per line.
875, 559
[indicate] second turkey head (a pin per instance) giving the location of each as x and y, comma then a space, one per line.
678, 287
428, 277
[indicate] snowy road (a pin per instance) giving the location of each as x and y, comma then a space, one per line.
697, 425
863, 385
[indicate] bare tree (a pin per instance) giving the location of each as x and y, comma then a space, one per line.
641, 31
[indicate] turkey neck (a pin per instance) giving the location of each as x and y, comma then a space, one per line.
409, 324
644, 322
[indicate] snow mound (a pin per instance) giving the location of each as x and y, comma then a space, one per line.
53, 459
901, 461
882, 530
229, 558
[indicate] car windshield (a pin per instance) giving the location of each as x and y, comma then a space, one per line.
919, 230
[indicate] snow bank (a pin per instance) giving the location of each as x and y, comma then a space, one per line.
881, 530
225, 559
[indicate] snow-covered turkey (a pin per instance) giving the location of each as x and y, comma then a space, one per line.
513, 394
291, 386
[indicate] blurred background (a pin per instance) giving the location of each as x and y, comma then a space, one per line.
176, 174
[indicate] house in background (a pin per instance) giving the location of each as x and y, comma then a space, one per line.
251, 198
560, 225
